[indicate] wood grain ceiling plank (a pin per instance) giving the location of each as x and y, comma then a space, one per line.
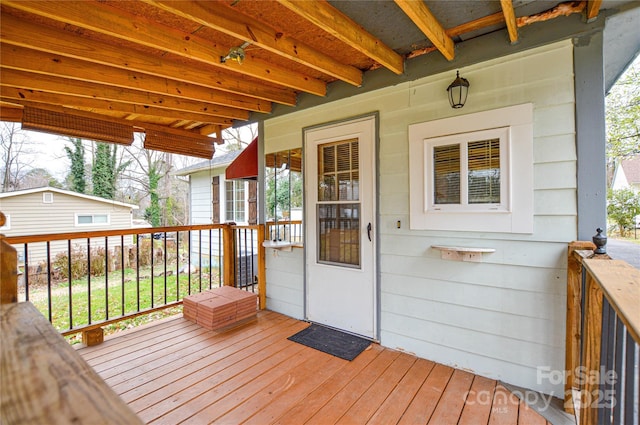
44, 63
19, 32
510, 19
59, 85
114, 22
21, 96
220, 18
420, 14
324, 15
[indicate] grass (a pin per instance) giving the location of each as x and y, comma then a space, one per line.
117, 299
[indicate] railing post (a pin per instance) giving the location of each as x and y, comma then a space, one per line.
591, 354
262, 272
229, 254
8, 270
574, 319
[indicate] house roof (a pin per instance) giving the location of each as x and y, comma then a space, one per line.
631, 169
65, 192
217, 161
166, 67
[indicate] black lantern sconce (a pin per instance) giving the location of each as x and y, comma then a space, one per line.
458, 91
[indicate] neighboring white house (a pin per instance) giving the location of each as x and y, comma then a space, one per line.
47, 210
213, 200
627, 174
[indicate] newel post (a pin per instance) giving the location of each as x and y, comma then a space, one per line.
228, 254
262, 269
8, 269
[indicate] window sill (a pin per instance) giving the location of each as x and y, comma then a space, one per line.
458, 253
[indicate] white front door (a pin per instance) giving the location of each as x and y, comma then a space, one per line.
340, 233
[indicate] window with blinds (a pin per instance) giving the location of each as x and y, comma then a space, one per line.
468, 170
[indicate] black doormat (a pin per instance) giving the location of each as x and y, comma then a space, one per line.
331, 341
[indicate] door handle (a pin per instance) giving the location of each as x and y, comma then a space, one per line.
369, 231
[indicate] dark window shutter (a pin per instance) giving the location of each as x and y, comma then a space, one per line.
215, 199
253, 202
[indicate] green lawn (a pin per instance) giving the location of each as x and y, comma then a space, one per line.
120, 299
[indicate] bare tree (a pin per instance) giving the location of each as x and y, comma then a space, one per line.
238, 138
15, 151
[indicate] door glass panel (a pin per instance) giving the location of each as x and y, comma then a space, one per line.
337, 214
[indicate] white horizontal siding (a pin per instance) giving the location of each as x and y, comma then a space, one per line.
200, 193
504, 317
284, 277
30, 216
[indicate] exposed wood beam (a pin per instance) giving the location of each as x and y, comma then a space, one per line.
429, 25
485, 21
221, 18
593, 8
18, 32
510, 19
331, 20
23, 96
10, 113
51, 84
114, 22
44, 63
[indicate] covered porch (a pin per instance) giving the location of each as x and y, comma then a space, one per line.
175, 371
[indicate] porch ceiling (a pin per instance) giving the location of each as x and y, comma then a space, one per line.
156, 65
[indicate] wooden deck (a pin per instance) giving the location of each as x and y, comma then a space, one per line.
177, 372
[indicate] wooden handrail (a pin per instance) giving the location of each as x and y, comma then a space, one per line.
591, 284
104, 233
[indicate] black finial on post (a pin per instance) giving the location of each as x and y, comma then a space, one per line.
600, 241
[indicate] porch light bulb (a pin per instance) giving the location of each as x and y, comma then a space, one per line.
458, 91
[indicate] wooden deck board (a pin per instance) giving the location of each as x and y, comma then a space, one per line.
177, 372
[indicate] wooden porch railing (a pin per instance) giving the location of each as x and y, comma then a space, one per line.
603, 338
224, 255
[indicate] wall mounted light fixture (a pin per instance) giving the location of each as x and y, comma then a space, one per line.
235, 53
458, 91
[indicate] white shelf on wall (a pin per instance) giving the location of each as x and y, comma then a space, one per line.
460, 253
281, 245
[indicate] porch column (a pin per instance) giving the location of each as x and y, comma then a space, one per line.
588, 61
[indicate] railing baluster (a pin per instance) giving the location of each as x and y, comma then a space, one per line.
165, 267
189, 264
70, 273
106, 276
49, 271
607, 355
26, 272
220, 259
210, 260
152, 277
89, 280
138, 271
630, 375
122, 267
618, 369
200, 261
177, 265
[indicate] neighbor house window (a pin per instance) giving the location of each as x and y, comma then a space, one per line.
473, 172
92, 219
469, 171
236, 200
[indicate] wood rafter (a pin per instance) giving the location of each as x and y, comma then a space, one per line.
593, 9
429, 25
331, 20
21, 33
220, 18
510, 19
117, 23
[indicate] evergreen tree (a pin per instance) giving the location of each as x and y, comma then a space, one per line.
76, 156
103, 172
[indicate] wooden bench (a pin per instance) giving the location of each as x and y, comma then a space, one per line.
220, 307
45, 381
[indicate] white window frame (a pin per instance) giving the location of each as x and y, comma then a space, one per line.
7, 223
514, 214
92, 215
245, 185
47, 197
463, 140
